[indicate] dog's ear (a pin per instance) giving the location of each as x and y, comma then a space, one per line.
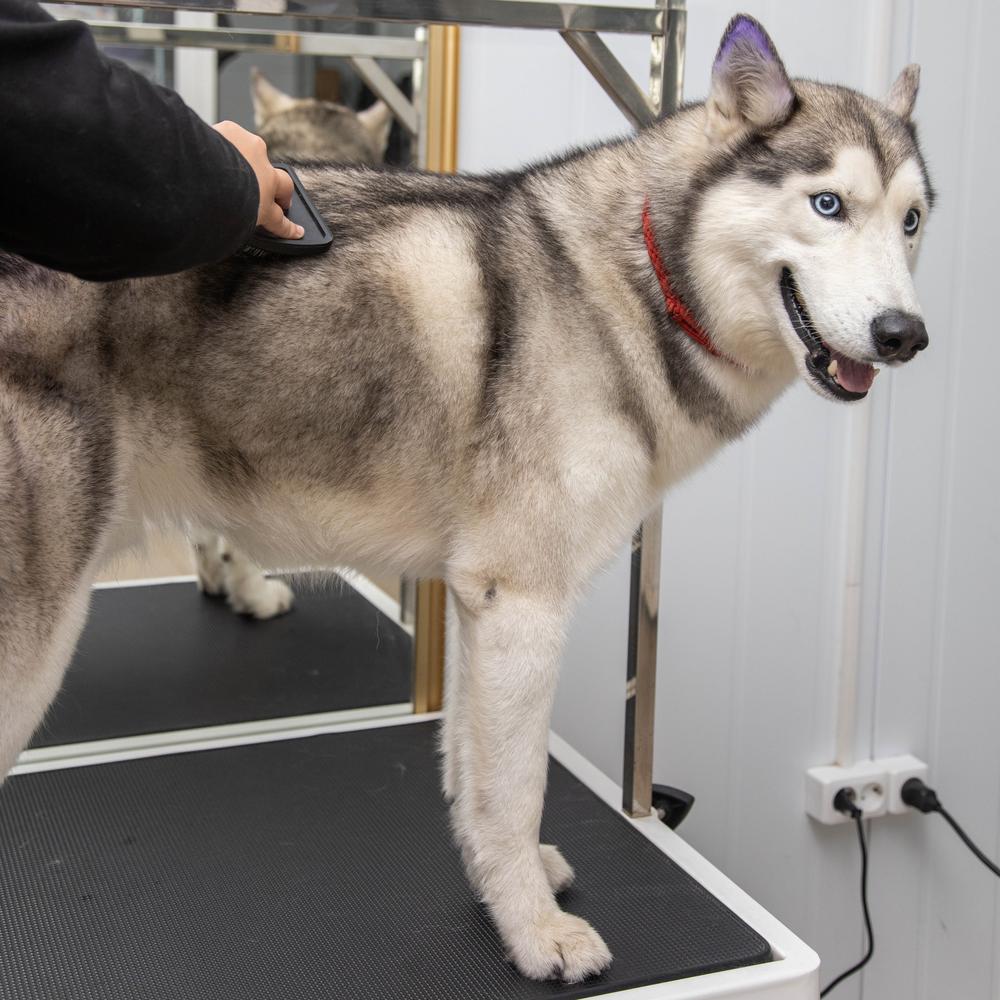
750, 89
267, 99
377, 121
903, 93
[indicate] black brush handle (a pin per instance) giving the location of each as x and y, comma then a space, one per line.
316, 237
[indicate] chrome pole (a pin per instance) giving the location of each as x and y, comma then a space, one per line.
665, 85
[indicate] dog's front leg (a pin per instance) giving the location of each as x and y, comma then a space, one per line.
453, 736
511, 644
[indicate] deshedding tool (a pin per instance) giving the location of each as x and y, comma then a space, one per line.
315, 239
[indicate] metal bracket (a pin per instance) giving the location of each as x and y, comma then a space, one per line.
666, 68
383, 85
604, 67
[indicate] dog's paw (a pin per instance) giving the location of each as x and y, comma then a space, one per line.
558, 870
211, 572
262, 598
560, 946
210, 586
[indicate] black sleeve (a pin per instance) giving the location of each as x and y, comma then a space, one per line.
102, 173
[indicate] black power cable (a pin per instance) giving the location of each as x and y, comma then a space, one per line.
844, 802
916, 794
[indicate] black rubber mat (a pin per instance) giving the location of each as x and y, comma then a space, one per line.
157, 658
310, 869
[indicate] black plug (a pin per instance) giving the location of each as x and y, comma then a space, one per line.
843, 802
918, 796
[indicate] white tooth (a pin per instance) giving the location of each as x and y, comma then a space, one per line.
832, 368
876, 370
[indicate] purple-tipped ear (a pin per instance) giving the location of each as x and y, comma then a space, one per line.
903, 93
750, 88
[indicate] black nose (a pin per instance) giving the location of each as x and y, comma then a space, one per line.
898, 335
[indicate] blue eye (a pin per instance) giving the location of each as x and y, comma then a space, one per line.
912, 222
826, 203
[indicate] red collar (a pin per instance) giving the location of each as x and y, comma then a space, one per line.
676, 309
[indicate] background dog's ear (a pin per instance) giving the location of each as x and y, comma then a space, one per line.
377, 121
903, 93
750, 88
267, 99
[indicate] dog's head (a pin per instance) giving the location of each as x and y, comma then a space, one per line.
807, 214
305, 128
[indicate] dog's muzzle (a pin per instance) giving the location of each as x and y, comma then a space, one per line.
840, 376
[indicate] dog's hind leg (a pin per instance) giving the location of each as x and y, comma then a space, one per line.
56, 495
512, 643
224, 570
37, 639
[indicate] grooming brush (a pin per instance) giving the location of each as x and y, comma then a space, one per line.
316, 237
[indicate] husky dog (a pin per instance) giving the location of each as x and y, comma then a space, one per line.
308, 129
293, 128
492, 379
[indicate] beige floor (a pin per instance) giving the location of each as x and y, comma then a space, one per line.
165, 555
170, 555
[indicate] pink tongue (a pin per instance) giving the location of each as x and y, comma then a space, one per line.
854, 376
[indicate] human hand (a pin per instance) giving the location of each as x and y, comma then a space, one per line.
275, 185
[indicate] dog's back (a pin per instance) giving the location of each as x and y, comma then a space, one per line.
391, 386
234, 386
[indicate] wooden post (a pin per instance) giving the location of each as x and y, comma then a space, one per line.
441, 154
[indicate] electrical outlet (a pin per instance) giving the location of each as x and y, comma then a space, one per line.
867, 779
877, 786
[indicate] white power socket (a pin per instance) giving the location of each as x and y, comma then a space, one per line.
876, 787
867, 779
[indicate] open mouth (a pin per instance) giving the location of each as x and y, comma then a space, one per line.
842, 377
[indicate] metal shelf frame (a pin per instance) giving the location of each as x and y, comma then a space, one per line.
580, 25
639, 20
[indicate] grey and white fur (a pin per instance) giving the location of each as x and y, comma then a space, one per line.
293, 128
480, 381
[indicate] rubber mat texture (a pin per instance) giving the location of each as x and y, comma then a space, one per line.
310, 869
157, 658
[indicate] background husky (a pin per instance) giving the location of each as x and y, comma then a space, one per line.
488, 378
308, 129
293, 128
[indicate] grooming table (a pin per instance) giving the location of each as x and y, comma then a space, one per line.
225, 861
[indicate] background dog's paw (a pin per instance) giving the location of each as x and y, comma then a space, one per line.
211, 571
558, 870
211, 586
262, 598
560, 946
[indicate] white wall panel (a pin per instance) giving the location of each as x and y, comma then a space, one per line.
938, 656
